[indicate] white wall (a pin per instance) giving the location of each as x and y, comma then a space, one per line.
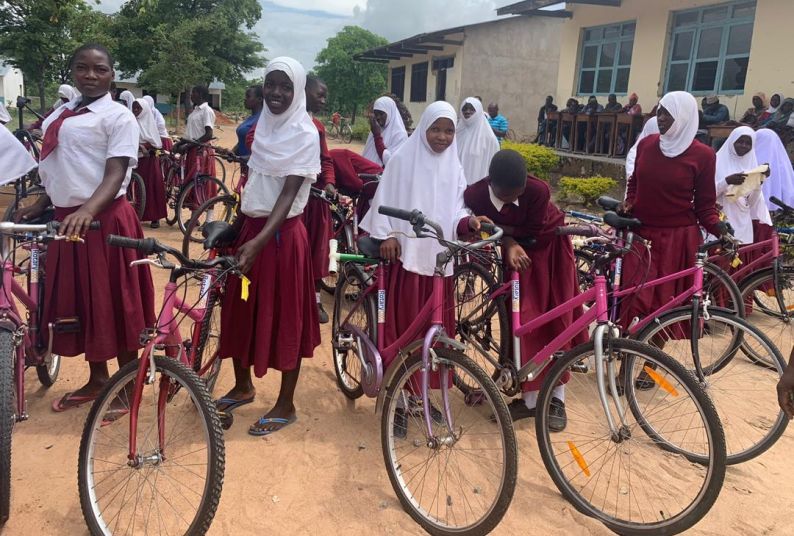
12, 86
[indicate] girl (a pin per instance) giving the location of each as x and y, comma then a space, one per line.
254, 101
127, 98
476, 141
15, 160
769, 150
66, 93
387, 131
148, 165
159, 120
650, 128
277, 325
521, 205
753, 114
779, 120
90, 147
424, 174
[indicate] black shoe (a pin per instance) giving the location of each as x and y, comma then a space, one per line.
155, 224
644, 382
400, 427
322, 314
558, 419
415, 407
518, 410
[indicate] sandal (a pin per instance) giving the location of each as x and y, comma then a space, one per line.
254, 430
230, 404
71, 401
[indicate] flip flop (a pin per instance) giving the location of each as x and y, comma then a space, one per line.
232, 403
271, 420
112, 415
73, 401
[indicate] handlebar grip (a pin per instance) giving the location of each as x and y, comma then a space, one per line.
486, 227
146, 246
369, 176
397, 213
93, 226
781, 204
576, 230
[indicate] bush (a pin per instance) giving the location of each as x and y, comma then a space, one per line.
540, 160
360, 129
585, 190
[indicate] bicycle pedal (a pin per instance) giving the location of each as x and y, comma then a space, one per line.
66, 325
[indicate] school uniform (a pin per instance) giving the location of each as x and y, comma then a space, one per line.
149, 165
317, 216
201, 117
477, 144
159, 121
347, 166
278, 324
92, 280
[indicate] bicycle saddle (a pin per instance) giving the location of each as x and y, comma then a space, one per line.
218, 234
618, 222
369, 246
608, 203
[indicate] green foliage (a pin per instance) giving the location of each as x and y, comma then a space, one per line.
540, 160
234, 95
585, 189
361, 130
352, 85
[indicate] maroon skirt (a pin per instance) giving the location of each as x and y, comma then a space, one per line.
278, 324
152, 175
550, 281
168, 144
347, 166
95, 283
317, 219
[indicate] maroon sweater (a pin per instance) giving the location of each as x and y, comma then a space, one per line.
674, 192
534, 217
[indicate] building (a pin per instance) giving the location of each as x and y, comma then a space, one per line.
729, 48
11, 84
512, 61
164, 103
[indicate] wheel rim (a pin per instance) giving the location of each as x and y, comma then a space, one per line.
346, 347
763, 311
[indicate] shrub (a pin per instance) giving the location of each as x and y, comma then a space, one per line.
584, 189
540, 160
360, 129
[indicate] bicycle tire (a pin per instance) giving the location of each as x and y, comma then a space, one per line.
347, 134
344, 240
194, 388
718, 375
36, 191
584, 273
198, 199
49, 370
333, 132
172, 191
715, 470
228, 211
136, 194
213, 307
729, 296
220, 168
347, 366
499, 419
7, 419
767, 314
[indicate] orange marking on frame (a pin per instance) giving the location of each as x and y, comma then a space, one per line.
664, 384
579, 458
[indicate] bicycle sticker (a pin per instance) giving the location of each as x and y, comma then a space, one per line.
34, 265
516, 297
381, 307
205, 287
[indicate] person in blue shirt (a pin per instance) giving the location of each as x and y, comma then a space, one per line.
498, 122
254, 100
714, 113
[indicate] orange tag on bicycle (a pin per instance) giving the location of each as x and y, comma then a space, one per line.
244, 288
736, 262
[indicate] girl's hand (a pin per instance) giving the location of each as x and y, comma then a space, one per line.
330, 190
374, 126
475, 221
735, 179
390, 250
29, 213
247, 254
76, 223
624, 208
517, 258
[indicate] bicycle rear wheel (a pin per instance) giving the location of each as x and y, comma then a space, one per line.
220, 208
173, 485
347, 134
7, 419
194, 195
633, 481
206, 355
136, 194
220, 168
347, 351
760, 293
172, 190
461, 480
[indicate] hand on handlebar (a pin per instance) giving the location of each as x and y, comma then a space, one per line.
330, 190
624, 209
515, 256
247, 254
476, 221
390, 250
76, 223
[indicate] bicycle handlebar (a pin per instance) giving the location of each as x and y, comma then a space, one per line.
781, 204
9, 227
369, 176
579, 230
150, 246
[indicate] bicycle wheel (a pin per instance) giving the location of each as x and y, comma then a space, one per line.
219, 208
7, 418
172, 191
193, 195
721, 289
631, 481
32, 196
760, 293
48, 371
344, 238
333, 132
743, 393
220, 168
584, 269
206, 355
136, 194
173, 484
347, 134
481, 322
347, 352
461, 480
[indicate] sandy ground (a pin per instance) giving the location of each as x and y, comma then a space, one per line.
325, 474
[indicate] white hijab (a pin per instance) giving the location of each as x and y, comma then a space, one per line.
476, 142
773, 109
780, 183
743, 210
15, 160
684, 109
148, 126
159, 120
287, 144
4, 116
419, 178
650, 128
128, 98
67, 92
394, 133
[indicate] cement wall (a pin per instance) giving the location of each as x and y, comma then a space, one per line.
11, 86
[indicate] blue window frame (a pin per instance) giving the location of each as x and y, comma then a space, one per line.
605, 59
709, 49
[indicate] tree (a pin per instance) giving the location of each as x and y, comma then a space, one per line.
351, 84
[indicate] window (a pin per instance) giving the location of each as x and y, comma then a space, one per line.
710, 48
419, 82
440, 66
605, 59
398, 82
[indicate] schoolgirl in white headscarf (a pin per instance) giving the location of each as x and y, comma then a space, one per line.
650, 128
394, 133
476, 142
147, 124
66, 93
159, 120
15, 160
780, 183
4, 116
128, 98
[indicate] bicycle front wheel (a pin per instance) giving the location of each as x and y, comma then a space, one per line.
7, 419
136, 194
220, 208
769, 305
351, 309
347, 134
194, 195
173, 483
461, 479
632, 480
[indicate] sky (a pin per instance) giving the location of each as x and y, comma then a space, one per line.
301, 28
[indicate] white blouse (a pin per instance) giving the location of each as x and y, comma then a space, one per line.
76, 168
201, 117
261, 193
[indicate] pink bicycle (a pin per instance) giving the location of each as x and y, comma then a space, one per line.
152, 452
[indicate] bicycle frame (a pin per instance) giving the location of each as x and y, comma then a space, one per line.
773, 246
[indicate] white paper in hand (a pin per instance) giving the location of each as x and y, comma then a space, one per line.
753, 181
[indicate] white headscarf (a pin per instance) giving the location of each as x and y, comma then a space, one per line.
67, 92
286, 144
743, 210
159, 120
476, 142
148, 126
394, 133
780, 183
128, 98
773, 109
419, 178
4, 116
650, 128
684, 109
15, 160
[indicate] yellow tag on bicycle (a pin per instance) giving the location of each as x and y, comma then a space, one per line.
736, 262
244, 288
484, 235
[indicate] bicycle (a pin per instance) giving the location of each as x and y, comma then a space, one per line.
22, 343
342, 130
136, 194
154, 432
469, 449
